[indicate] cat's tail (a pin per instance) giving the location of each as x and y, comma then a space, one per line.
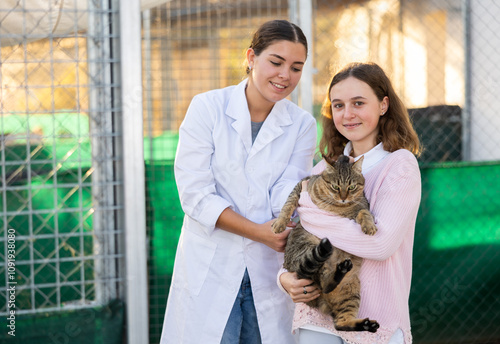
314, 261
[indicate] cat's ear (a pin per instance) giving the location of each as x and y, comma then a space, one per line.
343, 159
329, 160
357, 166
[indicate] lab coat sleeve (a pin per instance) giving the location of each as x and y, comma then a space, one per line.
193, 169
299, 165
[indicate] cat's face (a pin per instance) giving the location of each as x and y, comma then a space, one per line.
343, 182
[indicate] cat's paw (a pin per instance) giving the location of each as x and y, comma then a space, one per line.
370, 325
367, 222
279, 225
345, 266
369, 229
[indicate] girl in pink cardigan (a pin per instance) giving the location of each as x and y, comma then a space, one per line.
363, 116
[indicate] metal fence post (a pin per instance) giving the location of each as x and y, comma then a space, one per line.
306, 81
133, 171
466, 133
101, 129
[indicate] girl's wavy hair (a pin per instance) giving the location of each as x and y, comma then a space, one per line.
395, 128
276, 30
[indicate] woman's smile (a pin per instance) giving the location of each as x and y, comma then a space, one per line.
281, 87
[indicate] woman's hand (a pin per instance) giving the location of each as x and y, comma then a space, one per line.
233, 222
275, 241
300, 290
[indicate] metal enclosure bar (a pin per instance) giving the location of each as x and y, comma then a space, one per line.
294, 18
466, 117
102, 137
133, 170
306, 81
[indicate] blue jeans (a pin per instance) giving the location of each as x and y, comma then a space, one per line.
242, 326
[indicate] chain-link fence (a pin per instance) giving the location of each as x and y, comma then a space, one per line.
432, 50
60, 257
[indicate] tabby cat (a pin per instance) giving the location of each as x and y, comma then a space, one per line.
338, 189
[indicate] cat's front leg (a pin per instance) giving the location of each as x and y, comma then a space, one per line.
288, 208
284, 217
367, 222
280, 224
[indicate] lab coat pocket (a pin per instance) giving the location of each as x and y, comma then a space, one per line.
194, 262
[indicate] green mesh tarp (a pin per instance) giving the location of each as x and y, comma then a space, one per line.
95, 325
164, 221
455, 295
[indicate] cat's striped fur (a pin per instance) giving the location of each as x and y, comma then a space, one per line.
338, 189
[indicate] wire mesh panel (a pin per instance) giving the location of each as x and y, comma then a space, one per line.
58, 209
430, 50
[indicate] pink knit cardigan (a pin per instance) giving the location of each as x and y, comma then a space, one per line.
393, 188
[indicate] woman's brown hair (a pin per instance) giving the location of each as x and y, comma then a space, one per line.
395, 128
276, 30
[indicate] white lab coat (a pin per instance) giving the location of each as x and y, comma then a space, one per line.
217, 167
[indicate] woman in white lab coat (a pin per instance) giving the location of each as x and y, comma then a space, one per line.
241, 151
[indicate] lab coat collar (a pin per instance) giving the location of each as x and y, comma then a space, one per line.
271, 129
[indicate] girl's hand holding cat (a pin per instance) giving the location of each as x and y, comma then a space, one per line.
300, 290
